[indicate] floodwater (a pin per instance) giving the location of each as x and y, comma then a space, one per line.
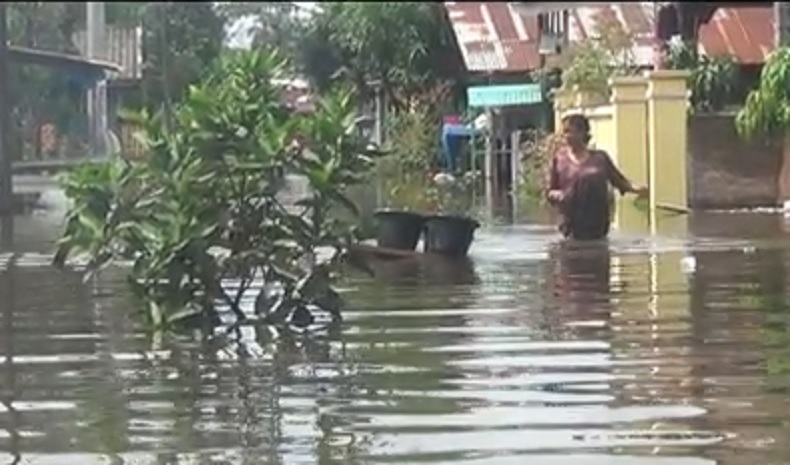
643, 351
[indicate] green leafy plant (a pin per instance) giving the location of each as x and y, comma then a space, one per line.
712, 79
588, 65
413, 139
413, 148
181, 41
767, 108
536, 150
451, 195
406, 47
767, 111
205, 214
406, 192
430, 193
408, 175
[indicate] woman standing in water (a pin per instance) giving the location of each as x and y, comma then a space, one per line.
578, 183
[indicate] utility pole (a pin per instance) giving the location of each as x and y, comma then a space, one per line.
781, 23
97, 96
380, 112
6, 176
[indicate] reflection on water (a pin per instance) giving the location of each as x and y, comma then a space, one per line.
529, 352
425, 271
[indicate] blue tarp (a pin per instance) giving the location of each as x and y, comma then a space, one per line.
452, 137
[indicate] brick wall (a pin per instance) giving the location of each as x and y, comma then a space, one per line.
727, 172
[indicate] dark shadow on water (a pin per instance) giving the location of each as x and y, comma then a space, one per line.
449, 271
427, 270
403, 271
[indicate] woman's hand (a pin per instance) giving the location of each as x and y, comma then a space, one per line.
555, 196
641, 191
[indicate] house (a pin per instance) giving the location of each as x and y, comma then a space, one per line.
499, 44
125, 47
82, 70
89, 67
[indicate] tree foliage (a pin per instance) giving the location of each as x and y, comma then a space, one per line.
206, 204
590, 64
181, 41
274, 24
712, 79
405, 46
767, 108
536, 151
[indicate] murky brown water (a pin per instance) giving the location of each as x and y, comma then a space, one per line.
630, 353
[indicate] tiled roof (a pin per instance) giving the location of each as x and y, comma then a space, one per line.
745, 33
494, 37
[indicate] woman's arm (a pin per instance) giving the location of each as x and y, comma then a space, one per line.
552, 185
618, 179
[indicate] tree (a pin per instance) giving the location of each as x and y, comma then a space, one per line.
405, 46
591, 63
116, 13
206, 206
712, 81
766, 112
274, 24
181, 41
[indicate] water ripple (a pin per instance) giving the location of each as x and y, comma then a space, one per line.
538, 353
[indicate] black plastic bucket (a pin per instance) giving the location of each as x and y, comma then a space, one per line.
399, 230
449, 235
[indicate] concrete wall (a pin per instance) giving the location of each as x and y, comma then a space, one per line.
726, 171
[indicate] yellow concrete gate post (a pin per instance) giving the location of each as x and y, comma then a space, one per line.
667, 108
629, 117
667, 154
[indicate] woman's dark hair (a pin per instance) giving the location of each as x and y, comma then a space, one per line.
579, 122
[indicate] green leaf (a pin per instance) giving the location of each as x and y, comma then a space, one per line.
211, 179
763, 112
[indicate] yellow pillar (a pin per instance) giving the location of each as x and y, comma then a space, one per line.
629, 111
629, 116
668, 305
667, 117
601, 128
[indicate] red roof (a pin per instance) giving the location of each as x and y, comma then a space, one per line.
745, 33
494, 37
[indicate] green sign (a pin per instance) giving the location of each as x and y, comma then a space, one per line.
504, 95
